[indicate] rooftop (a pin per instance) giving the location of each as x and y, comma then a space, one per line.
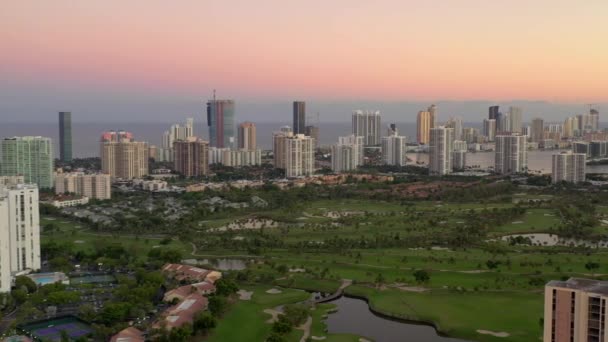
587, 285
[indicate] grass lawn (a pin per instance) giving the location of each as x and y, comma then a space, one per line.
246, 321
82, 239
461, 314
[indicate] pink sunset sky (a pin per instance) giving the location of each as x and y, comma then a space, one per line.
551, 50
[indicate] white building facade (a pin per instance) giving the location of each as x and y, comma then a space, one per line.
440, 151
511, 155
568, 167
19, 232
347, 154
367, 125
393, 150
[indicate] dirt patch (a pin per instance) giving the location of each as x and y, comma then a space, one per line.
245, 295
297, 270
493, 333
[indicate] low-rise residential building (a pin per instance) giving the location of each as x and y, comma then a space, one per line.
180, 293
65, 201
151, 185
188, 273
94, 186
235, 158
182, 313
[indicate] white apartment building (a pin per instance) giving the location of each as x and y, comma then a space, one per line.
299, 156
19, 232
174, 133
235, 158
511, 155
11, 180
347, 154
393, 150
440, 150
367, 125
568, 166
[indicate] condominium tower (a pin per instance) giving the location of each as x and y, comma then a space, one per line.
191, 157
247, 136
440, 150
220, 120
19, 232
575, 310
367, 125
122, 157
423, 127
174, 133
279, 146
511, 154
299, 155
537, 133
31, 157
393, 149
568, 167
347, 154
65, 136
299, 117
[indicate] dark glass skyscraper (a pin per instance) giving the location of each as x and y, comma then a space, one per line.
493, 112
220, 119
65, 136
299, 117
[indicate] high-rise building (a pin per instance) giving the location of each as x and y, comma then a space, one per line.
174, 133
367, 125
459, 160
515, 119
299, 155
598, 149
247, 136
93, 186
65, 136
347, 154
594, 119
299, 117
581, 147
470, 134
19, 232
440, 150
220, 119
568, 167
191, 157
423, 127
489, 129
122, 157
313, 132
538, 130
570, 127
31, 157
393, 150
433, 111
279, 146
456, 124
460, 145
511, 154
575, 310
493, 113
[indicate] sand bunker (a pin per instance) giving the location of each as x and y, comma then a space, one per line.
274, 291
274, 313
493, 333
245, 295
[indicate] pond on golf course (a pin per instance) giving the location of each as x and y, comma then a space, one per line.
354, 317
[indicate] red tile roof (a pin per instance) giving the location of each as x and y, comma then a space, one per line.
129, 334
